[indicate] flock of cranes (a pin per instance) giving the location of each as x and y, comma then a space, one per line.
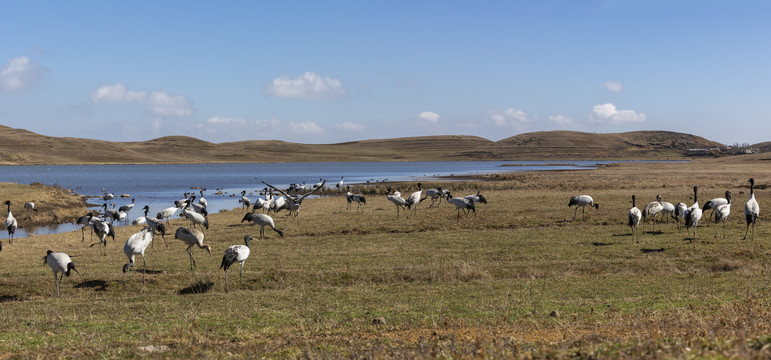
721, 208
276, 199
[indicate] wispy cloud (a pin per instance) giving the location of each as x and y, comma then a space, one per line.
614, 86
224, 120
158, 103
561, 120
308, 85
305, 127
608, 114
429, 116
508, 117
19, 73
349, 126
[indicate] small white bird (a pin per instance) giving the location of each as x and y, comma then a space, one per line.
201, 200
722, 212
30, 206
11, 224
136, 244
751, 210
127, 208
236, 253
634, 218
59, 263
339, 185
192, 237
262, 220
582, 201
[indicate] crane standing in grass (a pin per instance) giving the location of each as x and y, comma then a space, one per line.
59, 263
651, 210
262, 220
463, 204
397, 199
236, 253
582, 201
693, 214
357, 198
414, 199
722, 212
751, 210
192, 237
11, 224
136, 245
634, 218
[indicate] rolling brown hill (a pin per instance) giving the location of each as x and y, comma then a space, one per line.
22, 147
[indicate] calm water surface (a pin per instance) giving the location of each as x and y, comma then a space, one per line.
159, 185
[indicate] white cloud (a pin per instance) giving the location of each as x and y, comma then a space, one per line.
349, 126
608, 114
561, 120
117, 92
614, 86
19, 73
223, 120
269, 123
510, 116
159, 103
305, 127
308, 85
162, 104
429, 116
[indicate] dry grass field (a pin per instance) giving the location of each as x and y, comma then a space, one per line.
518, 279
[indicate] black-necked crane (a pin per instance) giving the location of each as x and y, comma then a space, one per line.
318, 184
59, 262
463, 204
722, 212
292, 202
667, 210
142, 219
693, 214
244, 201
236, 253
434, 194
136, 245
478, 198
339, 184
194, 217
167, 214
156, 226
108, 196
581, 201
85, 221
110, 214
201, 200
262, 220
357, 198
127, 208
102, 230
751, 210
634, 218
397, 199
191, 237
10, 223
651, 210
30, 206
713, 204
680, 210
414, 199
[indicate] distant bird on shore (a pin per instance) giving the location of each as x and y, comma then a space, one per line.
201, 200
108, 196
339, 185
236, 253
30, 206
634, 218
244, 201
751, 210
126, 208
59, 263
582, 201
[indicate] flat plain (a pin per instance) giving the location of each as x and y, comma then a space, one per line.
517, 279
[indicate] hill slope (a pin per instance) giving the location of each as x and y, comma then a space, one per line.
22, 147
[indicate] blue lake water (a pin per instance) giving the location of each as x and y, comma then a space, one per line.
159, 185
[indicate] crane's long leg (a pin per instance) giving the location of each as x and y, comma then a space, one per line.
241, 274
226, 281
192, 261
56, 284
144, 270
575, 213
746, 230
724, 228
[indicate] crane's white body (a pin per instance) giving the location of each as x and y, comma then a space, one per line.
397, 199
462, 204
714, 204
634, 217
262, 220
581, 201
357, 198
10, 223
414, 199
722, 212
136, 245
651, 210
59, 262
191, 237
236, 253
751, 210
693, 214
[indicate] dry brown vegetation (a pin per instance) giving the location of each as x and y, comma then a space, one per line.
54, 204
22, 147
519, 279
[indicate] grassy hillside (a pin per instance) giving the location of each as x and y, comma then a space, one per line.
520, 279
21, 147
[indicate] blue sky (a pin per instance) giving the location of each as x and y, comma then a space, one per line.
326, 72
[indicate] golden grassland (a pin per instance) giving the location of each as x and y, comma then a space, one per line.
518, 279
